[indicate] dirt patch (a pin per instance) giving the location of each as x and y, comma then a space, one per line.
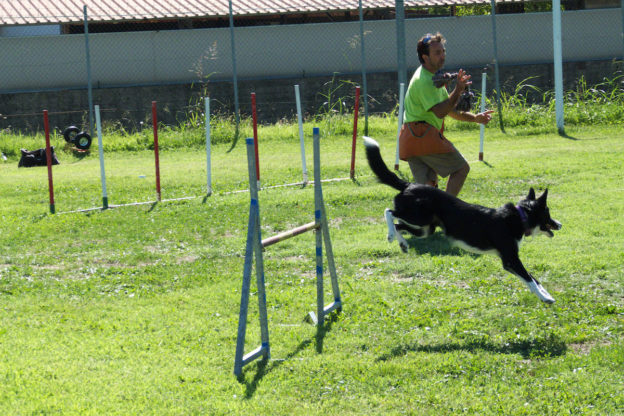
584, 348
186, 259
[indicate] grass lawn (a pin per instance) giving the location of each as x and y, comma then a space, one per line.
134, 310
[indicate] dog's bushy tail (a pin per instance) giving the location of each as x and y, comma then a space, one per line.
379, 168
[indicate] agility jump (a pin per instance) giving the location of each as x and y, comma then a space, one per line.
254, 248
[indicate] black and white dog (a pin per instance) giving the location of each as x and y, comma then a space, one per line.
419, 209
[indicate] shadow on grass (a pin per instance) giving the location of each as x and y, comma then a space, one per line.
566, 136
235, 139
538, 347
436, 245
265, 366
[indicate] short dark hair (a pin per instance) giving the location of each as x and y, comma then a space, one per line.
425, 41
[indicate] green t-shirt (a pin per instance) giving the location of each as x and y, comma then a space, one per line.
421, 96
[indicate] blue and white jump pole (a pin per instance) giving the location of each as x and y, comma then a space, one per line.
254, 249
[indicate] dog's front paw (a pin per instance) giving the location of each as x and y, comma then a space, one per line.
544, 295
541, 293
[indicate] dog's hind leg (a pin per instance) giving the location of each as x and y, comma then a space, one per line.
415, 230
418, 232
392, 231
402, 243
512, 263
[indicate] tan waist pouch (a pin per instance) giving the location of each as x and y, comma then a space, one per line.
418, 138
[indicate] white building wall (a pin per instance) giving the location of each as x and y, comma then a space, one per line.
30, 63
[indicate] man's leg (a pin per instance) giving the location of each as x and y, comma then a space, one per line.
456, 180
422, 173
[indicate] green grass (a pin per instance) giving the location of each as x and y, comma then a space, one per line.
134, 310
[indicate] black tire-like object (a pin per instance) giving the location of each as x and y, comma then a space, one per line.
82, 141
70, 133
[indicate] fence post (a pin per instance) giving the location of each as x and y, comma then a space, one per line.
363, 56
234, 76
496, 77
400, 30
89, 84
556, 15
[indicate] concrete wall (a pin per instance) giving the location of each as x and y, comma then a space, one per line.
127, 107
130, 69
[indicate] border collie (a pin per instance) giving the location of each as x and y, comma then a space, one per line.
419, 209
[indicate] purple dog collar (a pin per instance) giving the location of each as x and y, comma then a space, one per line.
525, 220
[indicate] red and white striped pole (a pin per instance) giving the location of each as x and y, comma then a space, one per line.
46, 126
356, 111
155, 125
254, 117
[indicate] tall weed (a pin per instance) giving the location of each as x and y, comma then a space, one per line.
528, 108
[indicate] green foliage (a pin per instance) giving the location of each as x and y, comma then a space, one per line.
473, 10
532, 110
486, 9
528, 108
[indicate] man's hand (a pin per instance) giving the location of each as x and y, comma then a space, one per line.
484, 117
442, 109
463, 80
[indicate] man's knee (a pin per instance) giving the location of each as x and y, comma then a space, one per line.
463, 171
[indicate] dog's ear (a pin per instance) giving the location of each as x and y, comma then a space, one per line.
542, 199
531, 196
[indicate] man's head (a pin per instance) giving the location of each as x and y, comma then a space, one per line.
431, 51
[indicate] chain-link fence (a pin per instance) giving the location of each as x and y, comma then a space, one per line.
124, 63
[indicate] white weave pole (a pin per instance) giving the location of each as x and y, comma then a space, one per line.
401, 98
300, 119
208, 167
482, 128
98, 122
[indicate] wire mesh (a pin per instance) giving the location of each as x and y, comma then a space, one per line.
176, 58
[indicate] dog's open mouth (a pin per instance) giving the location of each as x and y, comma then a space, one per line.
551, 225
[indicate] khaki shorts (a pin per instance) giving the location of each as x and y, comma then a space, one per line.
427, 168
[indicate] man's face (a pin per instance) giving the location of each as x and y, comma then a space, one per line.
435, 60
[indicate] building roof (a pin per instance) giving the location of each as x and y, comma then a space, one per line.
41, 12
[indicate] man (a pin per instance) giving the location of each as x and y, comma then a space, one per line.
421, 141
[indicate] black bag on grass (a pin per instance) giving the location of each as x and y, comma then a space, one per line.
36, 158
